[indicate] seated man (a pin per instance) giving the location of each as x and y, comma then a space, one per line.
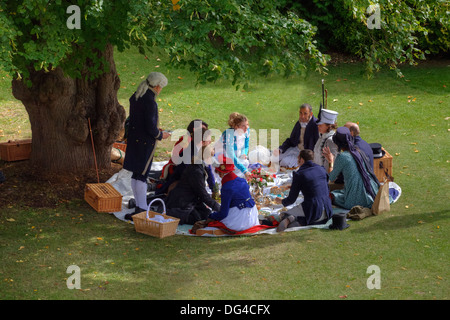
304, 135
188, 200
238, 210
312, 180
360, 143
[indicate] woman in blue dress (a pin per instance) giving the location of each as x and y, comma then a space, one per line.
360, 183
234, 144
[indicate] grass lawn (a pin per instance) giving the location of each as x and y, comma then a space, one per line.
410, 244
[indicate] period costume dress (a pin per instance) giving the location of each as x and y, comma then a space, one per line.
325, 140
238, 210
172, 170
234, 146
354, 192
189, 200
361, 184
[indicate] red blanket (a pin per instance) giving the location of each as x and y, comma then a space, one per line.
254, 229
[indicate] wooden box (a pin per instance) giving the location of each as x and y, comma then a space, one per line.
103, 197
15, 150
382, 167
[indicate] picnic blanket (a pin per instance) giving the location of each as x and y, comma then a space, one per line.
121, 182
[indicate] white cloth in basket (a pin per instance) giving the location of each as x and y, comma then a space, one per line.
161, 219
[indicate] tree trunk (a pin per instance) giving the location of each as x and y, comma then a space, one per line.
59, 108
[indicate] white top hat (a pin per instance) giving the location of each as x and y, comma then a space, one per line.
327, 116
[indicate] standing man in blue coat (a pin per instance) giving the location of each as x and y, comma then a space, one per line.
312, 180
304, 135
143, 135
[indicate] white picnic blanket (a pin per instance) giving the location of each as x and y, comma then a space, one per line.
121, 182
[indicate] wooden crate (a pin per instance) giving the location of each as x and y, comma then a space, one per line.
15, 150
103, 197
382, 167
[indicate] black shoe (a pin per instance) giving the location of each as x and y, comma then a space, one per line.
129, 216
285, 223
138, 210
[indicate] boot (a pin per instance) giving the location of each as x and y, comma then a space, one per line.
288, 219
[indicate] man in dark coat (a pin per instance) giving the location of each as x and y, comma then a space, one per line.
360, 143
312, 180
304, 135
189, 201
143, 134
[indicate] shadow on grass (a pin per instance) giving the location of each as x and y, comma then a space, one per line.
403, 221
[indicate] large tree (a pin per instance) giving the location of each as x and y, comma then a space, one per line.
61, 57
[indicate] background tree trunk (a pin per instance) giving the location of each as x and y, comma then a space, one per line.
59, 108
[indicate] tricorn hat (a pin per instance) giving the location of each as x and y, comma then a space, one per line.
339, 221
377, 150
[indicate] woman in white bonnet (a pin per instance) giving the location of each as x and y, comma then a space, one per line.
143, 135
327, 127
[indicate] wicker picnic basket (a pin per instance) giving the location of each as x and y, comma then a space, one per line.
143, 223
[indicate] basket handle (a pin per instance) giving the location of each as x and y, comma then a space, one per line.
150, 204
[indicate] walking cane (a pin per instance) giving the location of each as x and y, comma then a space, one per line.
322, 104
93, 149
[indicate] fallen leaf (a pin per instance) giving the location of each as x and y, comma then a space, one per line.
360, 103
10, 220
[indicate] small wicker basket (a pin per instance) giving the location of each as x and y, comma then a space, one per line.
144, 224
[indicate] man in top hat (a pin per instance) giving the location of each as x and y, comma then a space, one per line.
359, 142
303, 136
238, 210
312, 180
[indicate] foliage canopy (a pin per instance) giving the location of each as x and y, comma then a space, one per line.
232, 39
